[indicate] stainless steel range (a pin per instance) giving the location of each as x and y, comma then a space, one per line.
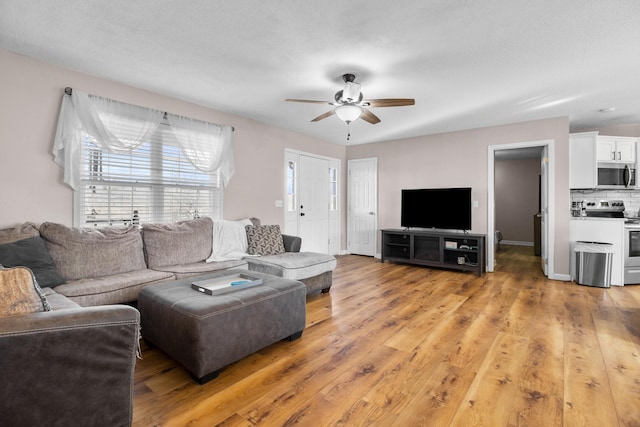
632, 251
604, 208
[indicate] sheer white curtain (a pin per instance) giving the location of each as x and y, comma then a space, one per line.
117, 127
207, 146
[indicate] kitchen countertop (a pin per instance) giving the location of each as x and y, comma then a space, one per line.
593, 218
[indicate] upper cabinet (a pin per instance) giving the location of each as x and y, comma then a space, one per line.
582, 160
586, 149
615, 149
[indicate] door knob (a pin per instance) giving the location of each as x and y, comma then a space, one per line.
301, 213
371, 213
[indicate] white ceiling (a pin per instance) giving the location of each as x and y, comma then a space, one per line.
468, 64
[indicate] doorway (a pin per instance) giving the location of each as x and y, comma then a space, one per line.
544, 150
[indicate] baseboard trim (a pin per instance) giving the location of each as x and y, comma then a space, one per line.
515, 243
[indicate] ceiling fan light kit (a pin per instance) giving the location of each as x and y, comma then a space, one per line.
350, 106
348, 112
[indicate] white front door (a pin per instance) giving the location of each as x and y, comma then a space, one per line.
362, 205
314, 204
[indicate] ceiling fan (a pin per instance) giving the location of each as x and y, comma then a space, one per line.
350, 105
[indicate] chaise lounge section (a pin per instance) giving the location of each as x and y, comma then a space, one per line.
315, 270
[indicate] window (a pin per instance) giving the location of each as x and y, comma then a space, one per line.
333, 189
131, 164
292, 190
154, 183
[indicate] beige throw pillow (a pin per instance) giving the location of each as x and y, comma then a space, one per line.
20, 293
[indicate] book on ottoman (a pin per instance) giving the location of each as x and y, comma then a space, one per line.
224, 284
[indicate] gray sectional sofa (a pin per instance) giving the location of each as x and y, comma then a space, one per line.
111, 265
74, 364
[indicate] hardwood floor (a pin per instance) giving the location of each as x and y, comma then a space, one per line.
397, 345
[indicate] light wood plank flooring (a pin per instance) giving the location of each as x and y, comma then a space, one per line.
397, 345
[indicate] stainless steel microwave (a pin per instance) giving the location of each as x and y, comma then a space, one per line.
616, 175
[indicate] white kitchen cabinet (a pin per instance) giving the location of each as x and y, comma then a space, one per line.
582, 160
586, 149
615, 149
605, 230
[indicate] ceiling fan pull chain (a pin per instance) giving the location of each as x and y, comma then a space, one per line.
348, 131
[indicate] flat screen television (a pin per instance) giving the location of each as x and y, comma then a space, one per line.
443, 208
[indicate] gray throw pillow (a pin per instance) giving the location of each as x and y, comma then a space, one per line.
31, 253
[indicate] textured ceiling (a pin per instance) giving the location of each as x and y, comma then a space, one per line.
468, 64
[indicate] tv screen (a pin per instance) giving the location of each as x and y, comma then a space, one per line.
444, 208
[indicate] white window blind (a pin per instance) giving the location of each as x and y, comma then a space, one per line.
153, 183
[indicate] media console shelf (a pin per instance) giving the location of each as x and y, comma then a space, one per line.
435, 249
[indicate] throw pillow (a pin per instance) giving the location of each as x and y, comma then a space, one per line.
20, 293
264, 240
31, 253
19, 232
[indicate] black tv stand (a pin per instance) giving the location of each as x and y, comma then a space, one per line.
434, 248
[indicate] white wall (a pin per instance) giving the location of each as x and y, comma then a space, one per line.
460, 159
32, 187
516, 198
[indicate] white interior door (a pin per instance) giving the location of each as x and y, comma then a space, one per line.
314, 204
544, 209
362, 206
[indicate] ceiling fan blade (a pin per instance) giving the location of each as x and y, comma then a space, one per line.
308, 101
369, 117
324, 116
390, 102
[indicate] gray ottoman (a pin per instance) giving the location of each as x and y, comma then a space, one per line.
205, 333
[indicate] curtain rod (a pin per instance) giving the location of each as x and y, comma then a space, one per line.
69, 91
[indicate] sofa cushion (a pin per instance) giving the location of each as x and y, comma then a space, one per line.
183, 242
85, 253
32, 253
20, 293
114, 289
58, 301
264, 240
197, 268
19, 232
